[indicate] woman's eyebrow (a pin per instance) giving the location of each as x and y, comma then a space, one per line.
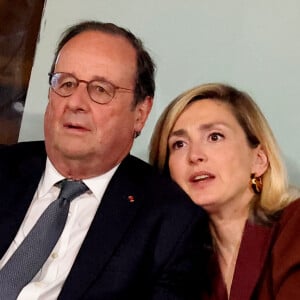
179, 132
209, 126
202, 127
206, 126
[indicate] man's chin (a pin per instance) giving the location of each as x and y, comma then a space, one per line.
74, 151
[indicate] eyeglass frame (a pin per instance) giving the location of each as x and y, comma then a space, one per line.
115, 87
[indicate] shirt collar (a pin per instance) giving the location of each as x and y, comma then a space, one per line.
96, 185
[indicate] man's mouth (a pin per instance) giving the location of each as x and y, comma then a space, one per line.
75, 126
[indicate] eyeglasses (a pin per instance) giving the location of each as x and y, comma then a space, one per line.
100, 91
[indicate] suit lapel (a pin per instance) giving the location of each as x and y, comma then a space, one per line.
252, 256
118, 207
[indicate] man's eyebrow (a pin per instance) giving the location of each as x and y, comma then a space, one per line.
101, 78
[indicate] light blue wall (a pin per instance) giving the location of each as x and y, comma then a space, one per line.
253, 45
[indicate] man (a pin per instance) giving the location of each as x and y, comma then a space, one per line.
133, 234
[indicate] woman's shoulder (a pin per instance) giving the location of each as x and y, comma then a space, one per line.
281, 273
291, 210
289, 220
285, 273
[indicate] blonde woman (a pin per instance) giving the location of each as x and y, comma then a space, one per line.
216, 144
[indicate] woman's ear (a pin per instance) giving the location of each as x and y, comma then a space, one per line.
260, 161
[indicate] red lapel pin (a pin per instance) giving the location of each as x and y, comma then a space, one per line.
131, 199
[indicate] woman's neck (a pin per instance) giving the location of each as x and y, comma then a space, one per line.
227, 234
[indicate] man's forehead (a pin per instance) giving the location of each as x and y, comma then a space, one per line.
100, 40
97, 43
94, 53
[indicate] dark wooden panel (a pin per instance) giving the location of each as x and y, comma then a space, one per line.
19, 28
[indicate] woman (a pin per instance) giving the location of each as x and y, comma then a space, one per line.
216, 144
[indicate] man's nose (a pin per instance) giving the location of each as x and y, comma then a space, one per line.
80, 98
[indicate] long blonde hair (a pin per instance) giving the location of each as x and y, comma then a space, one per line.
274, 195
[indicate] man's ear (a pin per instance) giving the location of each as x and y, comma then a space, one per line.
260, 161
142, 111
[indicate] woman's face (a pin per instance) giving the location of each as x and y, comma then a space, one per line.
211, 159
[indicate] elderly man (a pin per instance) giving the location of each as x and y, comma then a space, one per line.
125, 232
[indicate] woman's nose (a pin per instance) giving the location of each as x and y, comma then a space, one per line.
197, 154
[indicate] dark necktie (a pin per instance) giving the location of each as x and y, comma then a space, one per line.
32, 253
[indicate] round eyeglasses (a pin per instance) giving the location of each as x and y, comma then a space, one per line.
100, 91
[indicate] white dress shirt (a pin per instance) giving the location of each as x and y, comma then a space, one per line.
48, 283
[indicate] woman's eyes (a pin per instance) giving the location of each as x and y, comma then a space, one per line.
215, 136
211, 137
177, 144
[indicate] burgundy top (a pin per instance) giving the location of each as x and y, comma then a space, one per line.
268, 263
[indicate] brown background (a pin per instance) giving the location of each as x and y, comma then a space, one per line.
19, 28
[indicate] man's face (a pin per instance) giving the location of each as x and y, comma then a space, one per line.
79, 131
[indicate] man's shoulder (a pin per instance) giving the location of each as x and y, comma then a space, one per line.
157, 189
16, 154
25, 147
144, 175
133, 161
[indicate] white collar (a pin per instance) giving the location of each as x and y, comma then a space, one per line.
95, 184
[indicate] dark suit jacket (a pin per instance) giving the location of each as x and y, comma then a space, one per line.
268, 264
151, 248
